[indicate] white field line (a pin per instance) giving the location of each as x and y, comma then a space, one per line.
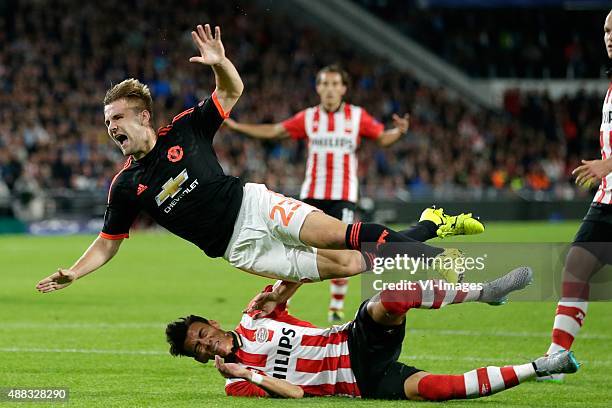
83, 351
483, 333
430, 357
80, 325
418, 332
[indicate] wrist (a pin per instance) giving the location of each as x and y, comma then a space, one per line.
255, 378
222, 62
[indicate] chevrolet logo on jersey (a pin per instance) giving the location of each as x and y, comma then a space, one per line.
171, 187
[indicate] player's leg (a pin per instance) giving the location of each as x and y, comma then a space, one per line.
338, 287
591, 249
586, 256
339, 264
434, 222
389, 307
323, 231
298, 224
580, 265
319, 230
485, 381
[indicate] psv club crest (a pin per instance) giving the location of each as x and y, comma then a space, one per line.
175, 153
261, 335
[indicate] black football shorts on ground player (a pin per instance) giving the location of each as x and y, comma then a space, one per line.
342, 210
374, 350
595, 232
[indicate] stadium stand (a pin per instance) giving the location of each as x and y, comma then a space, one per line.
524, 42
53, 141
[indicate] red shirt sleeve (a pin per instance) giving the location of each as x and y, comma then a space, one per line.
369, 127
296, 125
244, 388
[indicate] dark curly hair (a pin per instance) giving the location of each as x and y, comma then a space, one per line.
176, 332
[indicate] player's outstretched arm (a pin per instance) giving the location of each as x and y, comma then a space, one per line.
273, 386
99, 252
229, 86
390, 136
258, 131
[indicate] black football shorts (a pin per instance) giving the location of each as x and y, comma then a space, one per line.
595, 232
374, 350
342, 210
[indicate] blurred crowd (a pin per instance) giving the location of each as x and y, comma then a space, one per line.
545, 42
58, 58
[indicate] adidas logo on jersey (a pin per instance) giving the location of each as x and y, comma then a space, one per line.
141, 189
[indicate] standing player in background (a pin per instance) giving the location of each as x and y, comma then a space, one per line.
334, 130
591, 248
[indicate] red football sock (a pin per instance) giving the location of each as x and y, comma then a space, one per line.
474, 384
569, 316
425, 294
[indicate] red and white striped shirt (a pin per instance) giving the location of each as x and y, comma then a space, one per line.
282, 346
333, 138
604, 193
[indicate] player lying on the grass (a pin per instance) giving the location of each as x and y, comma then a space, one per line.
592, 248
280, 355
174, 176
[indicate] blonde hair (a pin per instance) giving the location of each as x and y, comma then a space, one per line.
134, 91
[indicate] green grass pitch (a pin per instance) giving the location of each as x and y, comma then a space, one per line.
103, 337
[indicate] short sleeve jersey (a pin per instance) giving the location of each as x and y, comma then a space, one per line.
333, 139
180, 184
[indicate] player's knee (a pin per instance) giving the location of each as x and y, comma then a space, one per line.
352, 263
432, 387
398, 302
411, 386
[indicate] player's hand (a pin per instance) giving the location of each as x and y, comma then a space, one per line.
401, 123
264, 303
230, 370
211, 48
59, 280
591, 172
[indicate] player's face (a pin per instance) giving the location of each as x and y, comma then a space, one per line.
127, 127
205, 341
331, 90
608, 34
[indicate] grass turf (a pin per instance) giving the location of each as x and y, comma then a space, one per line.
103, 338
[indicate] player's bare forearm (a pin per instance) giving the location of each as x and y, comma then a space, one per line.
273, 386
229, 85
258, 131
284, 290
388, 137
278, 387
99, 252
266, 302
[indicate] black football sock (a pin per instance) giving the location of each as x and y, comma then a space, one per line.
360, 233
423, 231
